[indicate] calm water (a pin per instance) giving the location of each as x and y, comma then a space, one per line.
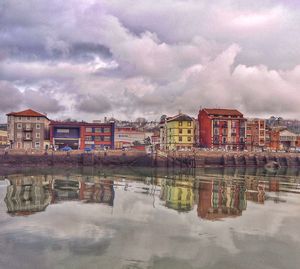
150, 219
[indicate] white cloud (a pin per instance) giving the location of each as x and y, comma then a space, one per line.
155, 58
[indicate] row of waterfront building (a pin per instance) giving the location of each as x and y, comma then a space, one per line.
225, 129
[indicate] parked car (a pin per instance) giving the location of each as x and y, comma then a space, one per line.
66, 148
87, 149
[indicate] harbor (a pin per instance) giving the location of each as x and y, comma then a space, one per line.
200, 218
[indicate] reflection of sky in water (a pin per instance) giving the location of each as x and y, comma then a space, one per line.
139, 231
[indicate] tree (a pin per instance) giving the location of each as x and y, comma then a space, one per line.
136, 143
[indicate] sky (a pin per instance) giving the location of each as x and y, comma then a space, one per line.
86, 59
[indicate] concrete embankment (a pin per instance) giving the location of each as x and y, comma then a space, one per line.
135, 158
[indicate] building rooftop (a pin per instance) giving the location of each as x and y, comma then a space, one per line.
287, 133
79, 123
27, 113
223, 112
180, 117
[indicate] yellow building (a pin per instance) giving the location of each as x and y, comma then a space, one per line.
3, 137
180, 132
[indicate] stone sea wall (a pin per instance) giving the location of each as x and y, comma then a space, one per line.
184, 160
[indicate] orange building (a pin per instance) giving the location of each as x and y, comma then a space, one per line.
256, 134
273, 139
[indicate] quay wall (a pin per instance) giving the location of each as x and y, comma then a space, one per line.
136, 158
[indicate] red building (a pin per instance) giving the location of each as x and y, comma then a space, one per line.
80, 135
222, 129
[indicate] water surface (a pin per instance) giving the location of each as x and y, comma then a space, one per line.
150, 219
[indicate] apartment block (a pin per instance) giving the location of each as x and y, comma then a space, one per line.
27, 129
256, 134
222, 129
177, 133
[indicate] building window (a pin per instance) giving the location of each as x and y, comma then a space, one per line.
106, 130
216, 123
88, 138
106, 138
180, 131
189, 123
19, 126
27, 136
97, 138
216, 131
180, 123
216, 140
180, 138
37, 135
38, 126
37, 145
20, 118
28, 118
224, 140
19, 135
38, 118
98, 130
189, 131
189, 139
89, 129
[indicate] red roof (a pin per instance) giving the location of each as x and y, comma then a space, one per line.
222, 112
27, 113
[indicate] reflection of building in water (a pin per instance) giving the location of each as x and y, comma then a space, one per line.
93, 192
177, 194
255, 190
220, 199
33, 194
65, 189
27, 199
98, 192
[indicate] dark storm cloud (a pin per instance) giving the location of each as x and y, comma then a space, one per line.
93, 104
78, 52
168, 55
42, 101
10, 97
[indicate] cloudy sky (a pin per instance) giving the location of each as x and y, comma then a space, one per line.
87, 59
